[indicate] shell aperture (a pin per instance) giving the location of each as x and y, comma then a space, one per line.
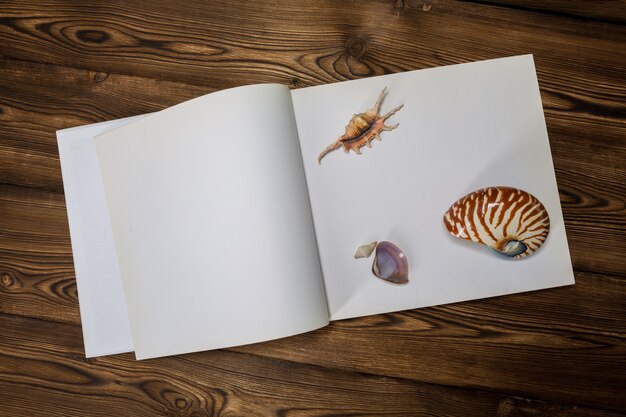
510, 221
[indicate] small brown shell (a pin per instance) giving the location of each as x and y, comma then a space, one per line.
510, 221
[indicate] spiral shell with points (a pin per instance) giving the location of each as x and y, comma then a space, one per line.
362, 129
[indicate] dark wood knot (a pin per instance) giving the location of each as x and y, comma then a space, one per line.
92, 36
356, 47
295, 82
399, 5
181, 404
100, 76
6, 280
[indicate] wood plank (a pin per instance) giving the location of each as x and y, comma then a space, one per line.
225, 44
605, 10
528, 344
564, 345
36, 267
42, 373
594, 209
36, 100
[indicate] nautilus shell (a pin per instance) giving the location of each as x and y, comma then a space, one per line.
390, 262
362, 129
510, 221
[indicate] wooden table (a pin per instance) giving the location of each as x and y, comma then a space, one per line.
558, 352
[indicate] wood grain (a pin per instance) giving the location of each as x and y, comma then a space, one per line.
218, 383
605, 10
221, 45
532, 340
36, 268
558, 352
511, 344
36, 100
592, 188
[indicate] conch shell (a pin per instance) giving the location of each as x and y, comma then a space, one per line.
362, 129
509, 221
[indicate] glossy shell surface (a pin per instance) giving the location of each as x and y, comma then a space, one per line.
390, 263
362, 129
510, 221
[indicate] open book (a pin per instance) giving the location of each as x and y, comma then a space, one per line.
213, 223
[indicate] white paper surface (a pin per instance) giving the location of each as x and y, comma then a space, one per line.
462, 128
104, 318
212, 223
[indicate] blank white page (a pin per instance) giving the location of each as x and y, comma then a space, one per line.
212, 225
463, 127
103, 314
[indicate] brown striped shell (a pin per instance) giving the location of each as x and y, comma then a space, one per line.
510, 221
